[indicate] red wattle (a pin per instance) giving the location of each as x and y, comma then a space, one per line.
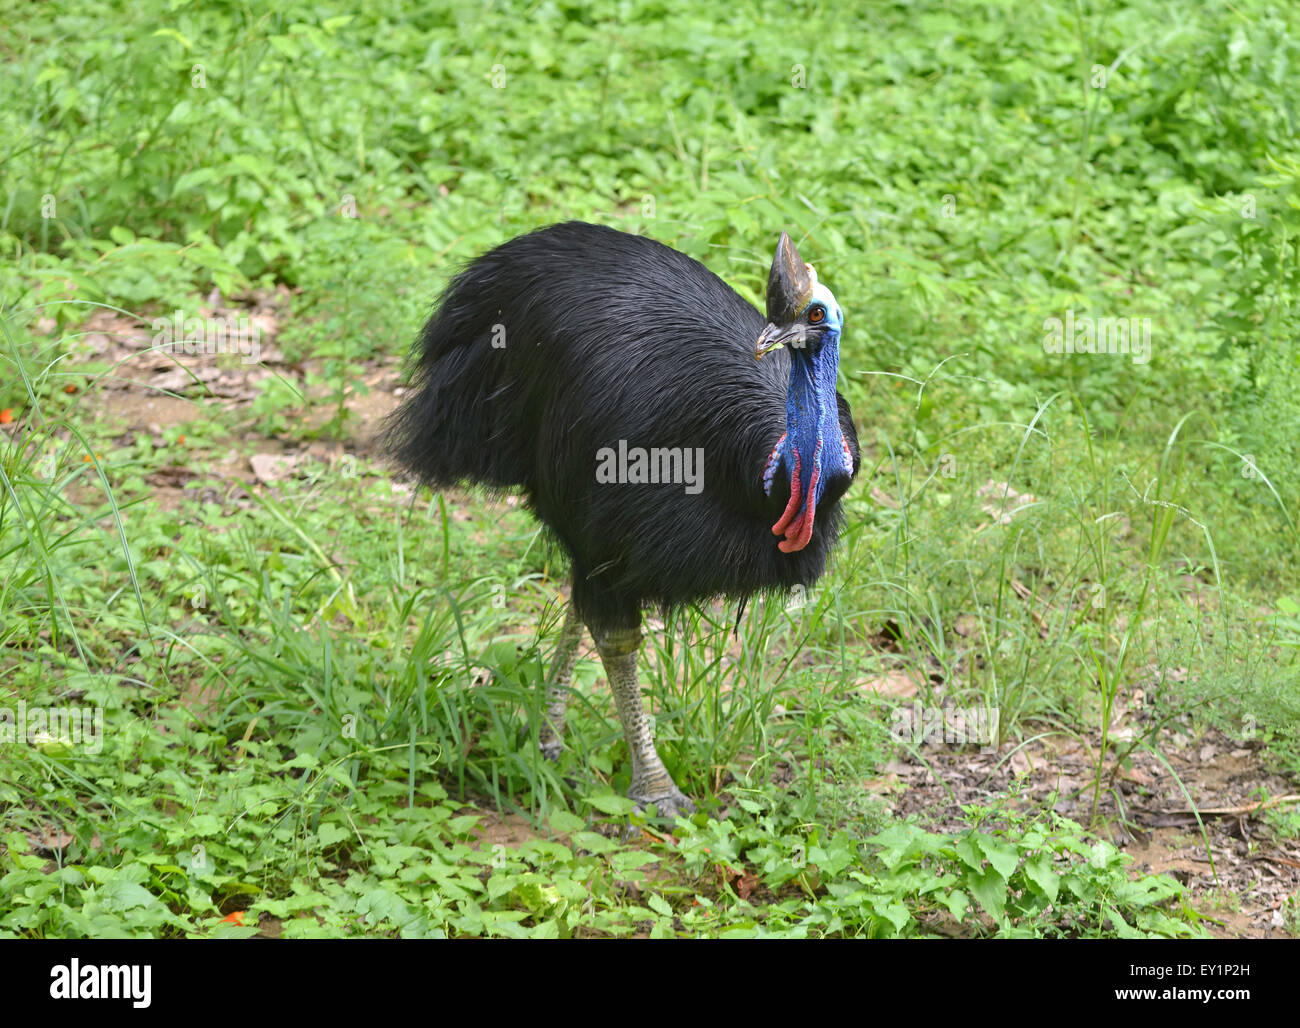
800, 534
791, 508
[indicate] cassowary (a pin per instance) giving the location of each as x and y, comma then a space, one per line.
677, 445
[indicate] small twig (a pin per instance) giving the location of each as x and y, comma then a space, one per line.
1025, 593
1249, 808
243, 743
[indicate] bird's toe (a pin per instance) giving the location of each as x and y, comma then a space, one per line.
666, 804
552, 749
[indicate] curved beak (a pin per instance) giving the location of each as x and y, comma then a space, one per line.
773, 337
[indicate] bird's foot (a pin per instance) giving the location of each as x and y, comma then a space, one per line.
667, 803
668, 806
551, 749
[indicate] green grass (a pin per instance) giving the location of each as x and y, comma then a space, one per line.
321, 695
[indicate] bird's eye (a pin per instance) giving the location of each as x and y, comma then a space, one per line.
816, 314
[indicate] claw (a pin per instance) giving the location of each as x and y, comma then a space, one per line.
668, 806
552, 750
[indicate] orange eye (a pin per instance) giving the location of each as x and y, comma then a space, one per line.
816, 314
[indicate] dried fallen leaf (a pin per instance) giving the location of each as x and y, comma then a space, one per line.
271, 467
891, 683
1002, 502
173, 475
48, 840
885, 783
1138, 777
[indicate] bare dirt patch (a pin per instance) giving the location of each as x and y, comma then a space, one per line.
1239, 872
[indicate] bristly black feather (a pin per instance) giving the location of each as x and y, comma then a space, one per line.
604, 336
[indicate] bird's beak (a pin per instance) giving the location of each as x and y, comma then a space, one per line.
773, 337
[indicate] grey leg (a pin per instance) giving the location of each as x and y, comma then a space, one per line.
651, 782
558, 683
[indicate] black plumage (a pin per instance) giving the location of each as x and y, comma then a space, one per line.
575, 338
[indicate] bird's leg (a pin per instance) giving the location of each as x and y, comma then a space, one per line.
651, 782
558, 686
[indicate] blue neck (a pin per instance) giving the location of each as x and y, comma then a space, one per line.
811, 414
812, 450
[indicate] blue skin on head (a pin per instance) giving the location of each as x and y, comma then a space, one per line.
813, 448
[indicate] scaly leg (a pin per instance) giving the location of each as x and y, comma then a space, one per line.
558, 685
651, 782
